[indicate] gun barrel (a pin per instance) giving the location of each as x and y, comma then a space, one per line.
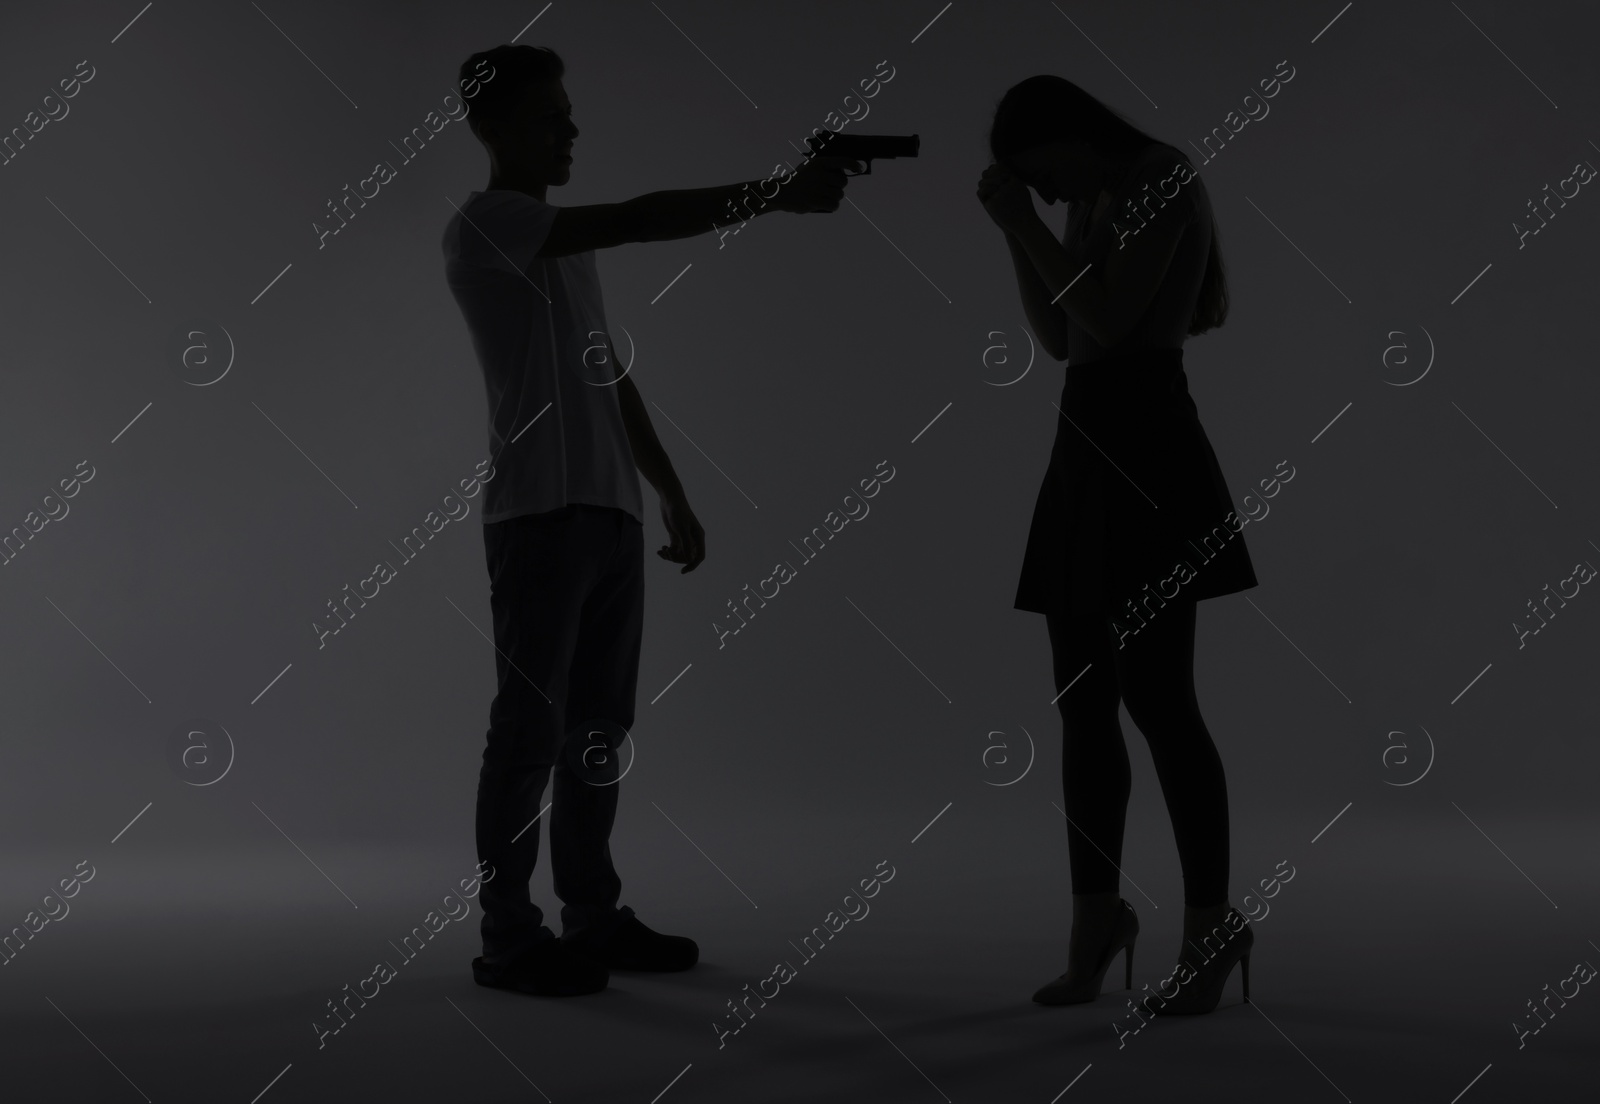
864, 147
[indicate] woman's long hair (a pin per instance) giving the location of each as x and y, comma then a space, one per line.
1048, 108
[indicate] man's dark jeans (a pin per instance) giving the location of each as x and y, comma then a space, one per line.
567, 591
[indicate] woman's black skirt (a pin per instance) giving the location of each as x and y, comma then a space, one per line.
1134, 507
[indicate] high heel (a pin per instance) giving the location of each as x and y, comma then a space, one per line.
1201, 992
1124, 932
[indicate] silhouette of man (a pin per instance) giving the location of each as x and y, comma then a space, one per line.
564, 519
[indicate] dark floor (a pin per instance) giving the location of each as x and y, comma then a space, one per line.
1391, 968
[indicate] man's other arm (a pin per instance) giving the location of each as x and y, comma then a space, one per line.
648, 454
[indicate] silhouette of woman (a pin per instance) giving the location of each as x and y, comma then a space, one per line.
1133, 523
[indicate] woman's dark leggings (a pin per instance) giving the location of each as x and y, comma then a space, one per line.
1152, 672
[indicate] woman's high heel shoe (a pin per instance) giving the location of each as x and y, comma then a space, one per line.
1201, 991
1084, 989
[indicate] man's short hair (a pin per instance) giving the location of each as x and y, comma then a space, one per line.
516, 68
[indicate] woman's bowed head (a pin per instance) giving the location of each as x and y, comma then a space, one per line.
1052, 136
1047, 136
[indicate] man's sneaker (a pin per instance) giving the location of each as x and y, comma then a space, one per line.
632, 946
548, 969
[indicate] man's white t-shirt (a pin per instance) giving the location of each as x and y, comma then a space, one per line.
538, 325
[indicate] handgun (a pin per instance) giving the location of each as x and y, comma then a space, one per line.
863, 147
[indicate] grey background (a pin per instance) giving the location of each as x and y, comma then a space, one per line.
859, 704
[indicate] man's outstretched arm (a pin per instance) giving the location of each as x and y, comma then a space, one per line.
817, 185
